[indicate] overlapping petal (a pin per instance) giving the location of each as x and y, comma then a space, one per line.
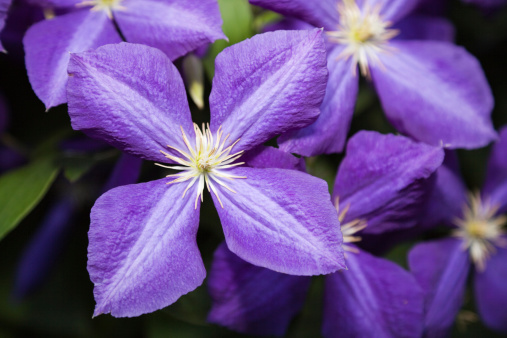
319, 13
495, 186
130, 96
270, 157
251, 299
435, 92
421, 27
441, 269
142, 253
126, 171
277, 84
328, 134
282, 220
383, 179
374, 298
174, 26
48, 45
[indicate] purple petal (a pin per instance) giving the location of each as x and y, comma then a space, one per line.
44, 248
374, 298
328, 134
421, 27
287, 24
4, 8
391, 10
130, 96
282, 220
435, 92
491, 291
250, 299
277, 84
319, 13
383, 179
126, 171
441, 269
49, 42
176, 27
495, 186
269, 157
143, 254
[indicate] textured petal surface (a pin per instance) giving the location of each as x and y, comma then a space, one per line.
495, 186
142, 253
374, 298
277, 84
383, 179
420, 27
435, 92
282, 220
491, 291
329, 133
250, 299
319, 13
48, 45
176, 27
270, 157
441, 269
130, 96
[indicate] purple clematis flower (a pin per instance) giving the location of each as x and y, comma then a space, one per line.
174, 26
142, 253
380, 183
429, 88
478, 243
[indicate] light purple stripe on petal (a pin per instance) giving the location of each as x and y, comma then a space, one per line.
48, 45
374, 298
142, 253
250, 299
277, 84
130, 96
282, 220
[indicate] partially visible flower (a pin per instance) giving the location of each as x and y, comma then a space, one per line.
429, 88
174, 26
378, 187
478, 242
143, 253
4, 7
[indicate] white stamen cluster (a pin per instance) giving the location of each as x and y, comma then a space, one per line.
103, 5
204, 162
481, 230
364, 33
349, 229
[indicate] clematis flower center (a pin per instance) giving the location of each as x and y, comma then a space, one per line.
481, 230
103, 5
205, 163
349, 229
364, 33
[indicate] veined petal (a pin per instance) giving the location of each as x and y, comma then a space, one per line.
490, 291
251, 299
383, 178
282, 220
130, 96
142, 253
435, 92
328, 134
277, 84
319, 13
441, 269
374, 298
48, 45
495, 186
421, 27
176, 27
270, 157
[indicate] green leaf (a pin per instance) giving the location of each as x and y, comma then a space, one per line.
238, 26
22, 189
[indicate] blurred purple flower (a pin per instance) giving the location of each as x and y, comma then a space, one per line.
173, 26
479, 240
380, 182
4, 8
143, 253
429, 88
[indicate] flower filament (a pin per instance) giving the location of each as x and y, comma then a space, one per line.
103, 5
481, 230
349, 229
364, 33
204, 163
